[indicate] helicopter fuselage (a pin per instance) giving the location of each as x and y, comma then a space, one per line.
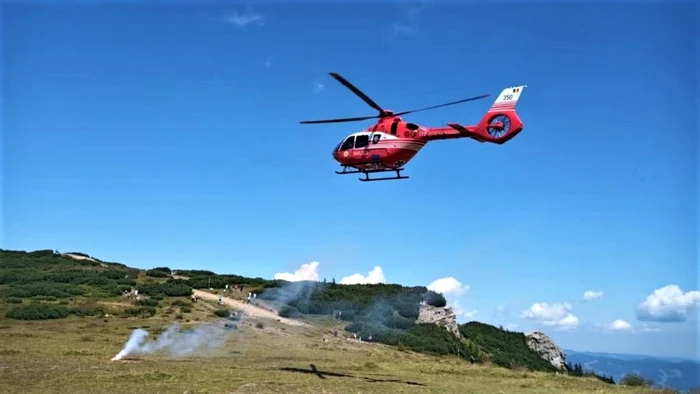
391, 143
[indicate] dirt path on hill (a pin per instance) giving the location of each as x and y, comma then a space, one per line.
250, 310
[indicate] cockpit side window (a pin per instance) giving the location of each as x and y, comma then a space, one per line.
348, 144
376, 138
361, 141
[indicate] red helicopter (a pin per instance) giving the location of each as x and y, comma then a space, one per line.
392, 142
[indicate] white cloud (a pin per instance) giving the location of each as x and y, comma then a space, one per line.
623, 325
408, 24
373, 277
245, 19
318, 86
619, 325
647, 328
592, 295
502, 312
448, 286
305, 272
268, 62
457, 308
399, 29
668, 304
555, 315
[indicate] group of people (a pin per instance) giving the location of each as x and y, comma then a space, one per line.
233, 288
251, 296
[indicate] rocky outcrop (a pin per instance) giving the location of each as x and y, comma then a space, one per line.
546, 348
441, 316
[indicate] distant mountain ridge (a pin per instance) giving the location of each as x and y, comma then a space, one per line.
627, 356
674, 372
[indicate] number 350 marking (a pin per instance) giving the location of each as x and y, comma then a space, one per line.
507, 97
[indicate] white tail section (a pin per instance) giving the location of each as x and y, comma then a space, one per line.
507, 99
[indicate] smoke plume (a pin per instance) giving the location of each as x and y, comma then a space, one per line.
289, 293
176, 343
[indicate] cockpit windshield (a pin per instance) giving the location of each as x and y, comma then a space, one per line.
354, 141
349, 143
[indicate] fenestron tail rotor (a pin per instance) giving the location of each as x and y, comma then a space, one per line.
382, 112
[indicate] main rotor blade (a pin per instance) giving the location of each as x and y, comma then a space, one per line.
339, 120
357, 92
441, 105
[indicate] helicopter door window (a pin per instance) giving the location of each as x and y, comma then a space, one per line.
376, 138
348, 143
393, 127
361, 141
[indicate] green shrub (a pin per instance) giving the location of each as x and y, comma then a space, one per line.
143, 311
171, 288
636, 380
117, 290
147, 302
222, 313
400, 322
433, 339
88, 310
14, 300
37, 311
506, 349
435, 299
157, 274
288, 312
57, 290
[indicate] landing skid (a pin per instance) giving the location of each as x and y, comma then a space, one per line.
367, 172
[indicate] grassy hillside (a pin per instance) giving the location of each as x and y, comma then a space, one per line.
43, 289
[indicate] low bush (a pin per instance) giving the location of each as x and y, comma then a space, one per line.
157, 274
636, 380
87, 310
38, 311
147, 302
143, 311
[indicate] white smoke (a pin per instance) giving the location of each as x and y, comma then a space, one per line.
175, 342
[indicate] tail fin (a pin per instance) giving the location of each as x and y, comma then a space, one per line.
508, 99
501, 122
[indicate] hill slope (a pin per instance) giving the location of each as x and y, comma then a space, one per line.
49, 298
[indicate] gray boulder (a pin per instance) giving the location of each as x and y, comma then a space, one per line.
441, 316
546, 348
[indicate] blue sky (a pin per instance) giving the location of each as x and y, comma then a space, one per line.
168, 135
